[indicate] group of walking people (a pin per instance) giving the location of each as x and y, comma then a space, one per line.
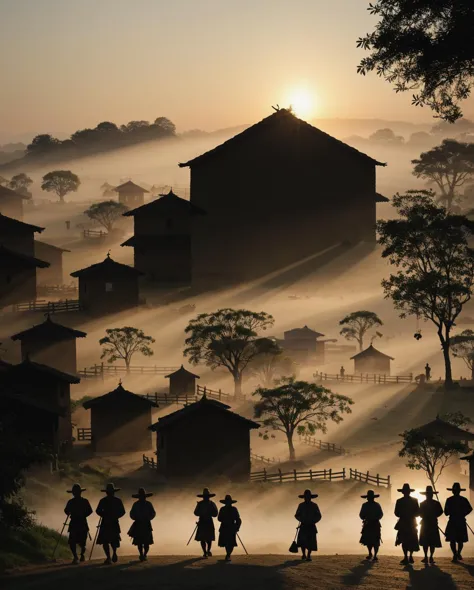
111, 509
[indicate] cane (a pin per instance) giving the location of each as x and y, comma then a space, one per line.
469, 528
95, 538
240, 540
191, 537
441, 531
61, 534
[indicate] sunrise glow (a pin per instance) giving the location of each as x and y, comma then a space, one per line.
303, 103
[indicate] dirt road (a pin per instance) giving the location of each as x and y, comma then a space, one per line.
258, 572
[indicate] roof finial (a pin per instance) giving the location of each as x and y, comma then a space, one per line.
108, 254
277, 108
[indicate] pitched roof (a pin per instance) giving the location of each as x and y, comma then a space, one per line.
31, 367
305, 331
20, 260
166, 205
381, 199
130, 186
371, 352
202, 405
9, 193
49, 330
8, 223
439, 427
119, 393
149, 242
106, 268
45, 246
291, 122
182, 371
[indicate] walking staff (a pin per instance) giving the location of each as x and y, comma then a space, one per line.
59, 538
95, 538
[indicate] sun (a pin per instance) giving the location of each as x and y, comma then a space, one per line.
302, 102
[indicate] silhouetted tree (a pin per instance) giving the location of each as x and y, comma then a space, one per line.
106, 213
165, 126
42, 144
20, 183
420, 138
430, 249
449, 166
272, 364
107, 190
386, 136
123, 343
297, 407
60, 182
357, 324
431, 453
459, 127
462, 346
85, 136
227, 338
108, 127
424, 46
4, 181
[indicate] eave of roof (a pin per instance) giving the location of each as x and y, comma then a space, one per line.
9, 193
51, 328
119, 392
130, 185
19, 225
165, 204
28, 365
27, 261
371, 351
108, 265
51, 246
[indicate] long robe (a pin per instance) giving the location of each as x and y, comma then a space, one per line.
142, 513
371, 513
430, 511
457, 508
308, 514
206, 511
407, 509
78, 509
110, 509
229, 518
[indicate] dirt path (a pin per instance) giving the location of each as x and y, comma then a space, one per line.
259, 572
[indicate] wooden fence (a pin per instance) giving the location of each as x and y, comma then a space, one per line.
263, 459
102, 371
84, 434
147, 462
57, 289
94, 233
46, 306
167, 399
364, 378
219, 394
323, 446
322, 474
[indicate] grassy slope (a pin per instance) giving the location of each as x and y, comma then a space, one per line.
262, 572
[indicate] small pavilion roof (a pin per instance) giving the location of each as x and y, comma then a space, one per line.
107, 267
166, 205
130, 187
182, 371
49, 330
119, 393
439, 427
371, 352
304, 331
381, 199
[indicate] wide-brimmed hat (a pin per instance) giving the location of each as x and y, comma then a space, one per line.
228, 500
206, 494
370, 494
456, 488
110, 487
429, 490
142, 493
406, 488
307, 493
76, 487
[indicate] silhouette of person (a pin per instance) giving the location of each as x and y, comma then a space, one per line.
229, 518
110, 509
308, 514
68, 224
430, 511
141, 531
78, 509
342, 372
457, 507
205, 510
371, 513
407, 509
428, 372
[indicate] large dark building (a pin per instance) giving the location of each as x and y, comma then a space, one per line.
130, 194
108, 287
120, 422
11, 203
162, 239
50, 344
53, 275
275, 194
204, 440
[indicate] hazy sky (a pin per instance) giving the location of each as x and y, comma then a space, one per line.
69, 64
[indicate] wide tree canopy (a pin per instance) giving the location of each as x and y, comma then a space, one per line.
106, 213
60, 182
357, 324
424, 46
123, 343
433, 261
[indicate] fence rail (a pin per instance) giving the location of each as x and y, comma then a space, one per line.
323, 446
56, 289
263, 459
364, 378
94, 233
102, 370
321, 474
167, 399
151, 463
219, 395
46, 306
84, 434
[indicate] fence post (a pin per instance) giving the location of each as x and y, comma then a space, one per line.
330, 475
220, 394
296, 477
324, 474
378, 480
156, 397
343, 473
388, 482
397, 378
367, 478
281, 478
264, 474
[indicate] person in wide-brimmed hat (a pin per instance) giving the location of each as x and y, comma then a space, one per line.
430, 511
141, 531
206, 511
457, 507
231, 522
308, 514
78, 509
110, 509
371, 514
407, 509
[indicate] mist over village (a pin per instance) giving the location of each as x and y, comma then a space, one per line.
236, 294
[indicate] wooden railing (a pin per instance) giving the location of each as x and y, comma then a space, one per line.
56, 289
94, 233
84, 434
167, 399
364, 378
103, 370
263, 459
321, 474
323, 446
147, 462
47, 306
217, 394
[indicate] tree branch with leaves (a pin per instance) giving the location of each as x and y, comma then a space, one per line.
357, 324
106, 213
462, 346
123, 343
